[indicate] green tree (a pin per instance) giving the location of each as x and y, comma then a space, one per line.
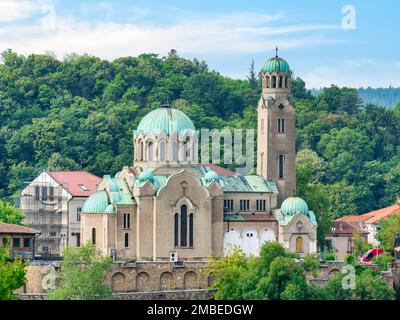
10, 214
388, 230
12, 274
368, 286
82, 275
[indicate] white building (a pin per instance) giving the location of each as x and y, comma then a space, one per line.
52, 203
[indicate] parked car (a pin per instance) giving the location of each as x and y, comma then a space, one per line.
370, 255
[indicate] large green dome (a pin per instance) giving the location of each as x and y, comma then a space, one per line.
96, 203
165, 119
293, 205
276, 64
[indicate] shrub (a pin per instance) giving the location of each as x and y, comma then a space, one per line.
330, 256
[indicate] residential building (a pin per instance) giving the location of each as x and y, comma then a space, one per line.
20, 239
52, 203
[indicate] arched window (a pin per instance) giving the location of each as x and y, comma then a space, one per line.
299, 244
191, 230
161, 151
93, 236
273, 84
141, 151
279, 82
285, 84
183, 228
176, 230
184, 225
126, 240
150, 151
174, 151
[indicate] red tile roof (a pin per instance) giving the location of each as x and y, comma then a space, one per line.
7, 228
343, 227
219, 170
373, 216
73, 180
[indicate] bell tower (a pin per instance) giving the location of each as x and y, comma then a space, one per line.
276, 154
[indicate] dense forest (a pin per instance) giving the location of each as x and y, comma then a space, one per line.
80, 113
385, 97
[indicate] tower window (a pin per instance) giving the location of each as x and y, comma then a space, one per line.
281, 125
262, 126
126, 240
273, 80
281, 166
127, 220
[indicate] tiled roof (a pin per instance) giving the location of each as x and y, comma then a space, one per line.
73, 180
343, 227
373, 216
7, 228
247, 184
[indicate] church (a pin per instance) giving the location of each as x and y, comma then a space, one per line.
169, 207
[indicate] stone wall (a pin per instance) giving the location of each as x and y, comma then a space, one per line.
200, 294
134, 277
167, 280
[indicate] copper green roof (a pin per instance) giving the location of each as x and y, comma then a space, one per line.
250, 183
293, 205
167, 120
211, 176
145, 176
96, 203
233, 217
276, 64
111, 209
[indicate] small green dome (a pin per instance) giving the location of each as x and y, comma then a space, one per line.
276, 64
96, 203
110, 208
211, 176
165, 119
145, 176
293, 205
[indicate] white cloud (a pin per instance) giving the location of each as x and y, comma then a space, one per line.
343, 76
14, 10
233, 33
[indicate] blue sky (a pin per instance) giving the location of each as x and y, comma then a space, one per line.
226, 34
